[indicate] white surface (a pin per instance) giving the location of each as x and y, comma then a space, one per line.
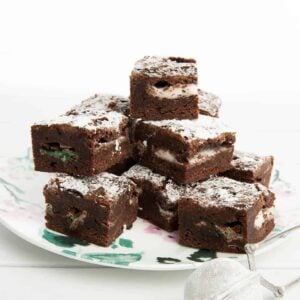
241, 46
26, 272
53, 54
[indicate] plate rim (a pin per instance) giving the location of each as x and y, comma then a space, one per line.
145, 266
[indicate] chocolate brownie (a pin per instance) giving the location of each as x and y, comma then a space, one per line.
158, 198
184, 150
209, 103
164, 88
122, 166
88, 139
223, 214
250, 167
95, 209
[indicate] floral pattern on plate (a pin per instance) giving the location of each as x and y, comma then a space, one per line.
145, 246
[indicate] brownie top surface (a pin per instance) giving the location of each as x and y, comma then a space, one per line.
104, 184
169, 188
225, 192
203, 128
92, 114
247, 161
209, 102
154, 66
98, 102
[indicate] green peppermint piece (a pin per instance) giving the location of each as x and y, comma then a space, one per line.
228, 233
64, 155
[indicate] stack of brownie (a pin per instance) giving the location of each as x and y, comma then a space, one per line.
163, 155
88, 142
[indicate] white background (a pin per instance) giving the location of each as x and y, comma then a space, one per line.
83, 46
55, 53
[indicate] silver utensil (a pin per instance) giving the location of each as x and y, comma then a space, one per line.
250, 250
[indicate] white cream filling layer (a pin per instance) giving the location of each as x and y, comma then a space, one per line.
173, 91
198, 157
166, 155
166, 213
263, 215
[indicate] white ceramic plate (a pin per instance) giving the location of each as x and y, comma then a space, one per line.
144, 247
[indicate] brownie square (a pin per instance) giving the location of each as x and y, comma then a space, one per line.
249, 167
223, 214
88, 139
209, 104
158, 198
164, 88
184, 150
95, 209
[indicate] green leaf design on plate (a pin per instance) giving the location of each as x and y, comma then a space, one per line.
126, 243
113, 246
277, 229
62, 240
26, 162
277, 178
167, 260
11, 185
202, 255
15, 192
122, 259
69, 252
63, 155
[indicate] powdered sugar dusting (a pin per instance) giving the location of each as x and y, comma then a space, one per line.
111, 185
209, 103
203, 128
226, 192
156, 66
173, 191
247, 161
92, 114
105, 102
170, 189
144, 173
109, 120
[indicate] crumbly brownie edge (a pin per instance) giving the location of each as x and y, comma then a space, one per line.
259, 172
209, 103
